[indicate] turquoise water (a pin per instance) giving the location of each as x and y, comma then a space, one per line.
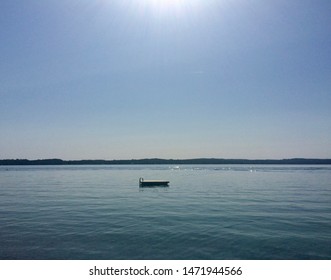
208, 212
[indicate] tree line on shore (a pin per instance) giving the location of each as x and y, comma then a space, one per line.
163, 161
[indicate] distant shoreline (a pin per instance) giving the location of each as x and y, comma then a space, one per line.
151, 161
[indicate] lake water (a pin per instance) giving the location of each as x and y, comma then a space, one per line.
207, 212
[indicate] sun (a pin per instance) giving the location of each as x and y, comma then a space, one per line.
166, 7
163, 3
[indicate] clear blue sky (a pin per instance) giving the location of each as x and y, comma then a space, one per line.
122, 79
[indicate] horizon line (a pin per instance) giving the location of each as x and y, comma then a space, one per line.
57, 161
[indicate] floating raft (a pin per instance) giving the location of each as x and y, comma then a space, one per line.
153, 183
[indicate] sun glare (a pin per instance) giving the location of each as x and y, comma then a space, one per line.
167, 7
165, 3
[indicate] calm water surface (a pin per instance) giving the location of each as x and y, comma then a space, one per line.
208, 212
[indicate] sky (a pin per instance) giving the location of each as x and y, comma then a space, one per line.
123, 79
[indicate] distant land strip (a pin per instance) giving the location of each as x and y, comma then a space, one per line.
164, 161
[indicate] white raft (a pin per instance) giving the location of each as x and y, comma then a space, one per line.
153, 183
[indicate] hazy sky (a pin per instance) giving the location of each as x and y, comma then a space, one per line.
122, 79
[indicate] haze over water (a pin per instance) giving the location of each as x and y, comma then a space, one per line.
208, 212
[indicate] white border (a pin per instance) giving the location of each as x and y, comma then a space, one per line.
257, 270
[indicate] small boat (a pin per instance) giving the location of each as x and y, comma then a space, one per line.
152, 183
